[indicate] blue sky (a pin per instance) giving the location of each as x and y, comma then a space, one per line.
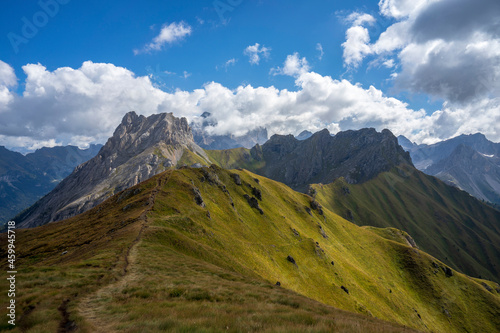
385, 50
109, 31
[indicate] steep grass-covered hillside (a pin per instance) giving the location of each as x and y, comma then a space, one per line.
444, 221
203, 250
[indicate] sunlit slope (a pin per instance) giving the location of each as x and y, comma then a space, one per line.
386, 279
444, 221
185, 251
109, 270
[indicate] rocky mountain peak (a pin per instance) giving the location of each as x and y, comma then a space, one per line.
140, 148
137, 133
358, 156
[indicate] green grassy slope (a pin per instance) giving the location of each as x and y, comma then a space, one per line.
237, 158
200, 258
447, 223
444, 221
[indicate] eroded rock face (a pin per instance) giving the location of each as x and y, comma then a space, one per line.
357, 156
140, 148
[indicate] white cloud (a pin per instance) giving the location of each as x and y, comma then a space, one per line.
255, 52
356, 46
389, 63
74, 102
169, 34
454, 57
7, 75
293, 66
231, 62
185, 75
357, 19
227, 64
7, 79
401, 8
84, 105
319, 48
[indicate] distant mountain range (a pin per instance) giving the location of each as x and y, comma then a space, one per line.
25, 179
469, 162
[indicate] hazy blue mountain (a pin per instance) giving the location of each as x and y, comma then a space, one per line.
469, 162
471, 171
304, 135
424, 155
24, 179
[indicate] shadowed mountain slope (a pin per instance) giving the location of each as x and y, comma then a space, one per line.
469, 162
25, 179
471, 171
355, 155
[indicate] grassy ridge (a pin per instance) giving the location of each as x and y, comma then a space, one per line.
444, 221
95, 243
207, 261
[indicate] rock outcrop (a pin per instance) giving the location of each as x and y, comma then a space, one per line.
140, 148
357, 156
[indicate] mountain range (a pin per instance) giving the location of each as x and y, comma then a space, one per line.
155, 233
469, 162
26, 178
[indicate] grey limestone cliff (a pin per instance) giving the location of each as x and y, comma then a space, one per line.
140, 148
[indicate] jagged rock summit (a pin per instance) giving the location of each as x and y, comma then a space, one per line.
355, 155
140, 148
471, 171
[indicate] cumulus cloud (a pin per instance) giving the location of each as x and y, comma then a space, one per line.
399, 9
7, 75
84, 105
360, 18
256, 52
448, 49
7, 79
170, 33
357, 39
70, 102
293, 66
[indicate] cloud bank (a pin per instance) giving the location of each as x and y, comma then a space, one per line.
84, 105
449, 49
